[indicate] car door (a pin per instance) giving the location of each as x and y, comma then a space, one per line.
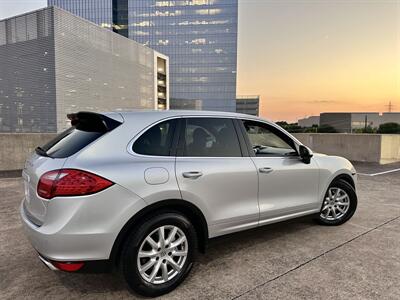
288, 187
215, 173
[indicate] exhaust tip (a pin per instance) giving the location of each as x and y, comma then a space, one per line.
47, 263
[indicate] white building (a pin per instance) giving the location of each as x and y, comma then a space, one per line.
309, 121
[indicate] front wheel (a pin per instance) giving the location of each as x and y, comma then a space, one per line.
339, 205
158, 256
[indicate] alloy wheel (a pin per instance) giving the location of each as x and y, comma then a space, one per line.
162, 254
336, 204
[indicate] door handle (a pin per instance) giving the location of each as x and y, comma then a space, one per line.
265, 170
192, 175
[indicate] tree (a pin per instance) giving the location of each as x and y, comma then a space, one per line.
291, 127
282, 123
326, 129
389, 128
369, 129
312, 129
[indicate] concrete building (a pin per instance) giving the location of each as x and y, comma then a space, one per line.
53, 63
248, 105
309, 121
199, 36
390, 117
349, 121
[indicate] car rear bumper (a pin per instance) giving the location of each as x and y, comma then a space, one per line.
81, 228
93, 266
70, 246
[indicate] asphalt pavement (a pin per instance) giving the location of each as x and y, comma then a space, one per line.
291, 260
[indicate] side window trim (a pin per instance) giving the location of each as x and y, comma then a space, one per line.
175, 138
182, 137
242, 138
271, 128
246, 138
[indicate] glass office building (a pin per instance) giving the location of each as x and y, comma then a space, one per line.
249, 105
199, 36
96, 11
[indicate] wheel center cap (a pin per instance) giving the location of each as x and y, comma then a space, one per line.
163, 253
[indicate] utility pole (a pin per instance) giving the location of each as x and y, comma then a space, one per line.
390, 106
365, 124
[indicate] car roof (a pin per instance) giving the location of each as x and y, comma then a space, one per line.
161, 114
148, 117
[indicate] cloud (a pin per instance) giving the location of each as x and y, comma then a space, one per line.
322, 101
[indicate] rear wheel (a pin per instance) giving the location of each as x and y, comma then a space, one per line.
339, 205
159, 255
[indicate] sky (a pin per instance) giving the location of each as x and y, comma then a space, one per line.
307, 57
304, 57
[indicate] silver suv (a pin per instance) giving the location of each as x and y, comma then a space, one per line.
143, 191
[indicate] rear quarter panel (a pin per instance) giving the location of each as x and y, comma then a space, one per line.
110, 158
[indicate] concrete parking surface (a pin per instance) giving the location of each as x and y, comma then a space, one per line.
292, 260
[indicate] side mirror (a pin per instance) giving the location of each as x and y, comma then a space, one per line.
305, 154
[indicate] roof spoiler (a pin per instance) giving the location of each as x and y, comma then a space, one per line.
92, 121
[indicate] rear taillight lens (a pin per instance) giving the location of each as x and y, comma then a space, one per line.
70, 182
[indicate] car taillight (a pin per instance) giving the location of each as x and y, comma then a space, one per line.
70, 182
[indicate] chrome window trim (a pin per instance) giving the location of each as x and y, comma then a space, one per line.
129, 147
141, 132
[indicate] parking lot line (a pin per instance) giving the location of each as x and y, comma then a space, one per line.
380, 173
376, 228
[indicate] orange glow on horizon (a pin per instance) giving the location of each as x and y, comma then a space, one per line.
304, 57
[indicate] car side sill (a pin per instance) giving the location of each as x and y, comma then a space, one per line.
287, 217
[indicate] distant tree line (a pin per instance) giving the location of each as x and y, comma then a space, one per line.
388, 128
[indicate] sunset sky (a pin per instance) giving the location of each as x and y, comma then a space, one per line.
307, 57
304, 57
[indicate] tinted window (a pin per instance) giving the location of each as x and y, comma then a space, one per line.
86, 128
157, 140
267, 140
213, 137
70, 141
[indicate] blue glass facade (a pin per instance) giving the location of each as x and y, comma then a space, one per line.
96, 11
199, 36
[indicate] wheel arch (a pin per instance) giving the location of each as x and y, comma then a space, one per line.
340, 175
192, 212
345, 177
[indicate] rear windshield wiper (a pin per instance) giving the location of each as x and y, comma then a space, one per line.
41, 151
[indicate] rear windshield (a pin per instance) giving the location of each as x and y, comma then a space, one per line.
86, 128
69, 142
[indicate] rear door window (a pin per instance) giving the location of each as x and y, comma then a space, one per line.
212, 137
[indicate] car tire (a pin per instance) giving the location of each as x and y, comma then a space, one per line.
159, 256
336, 212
